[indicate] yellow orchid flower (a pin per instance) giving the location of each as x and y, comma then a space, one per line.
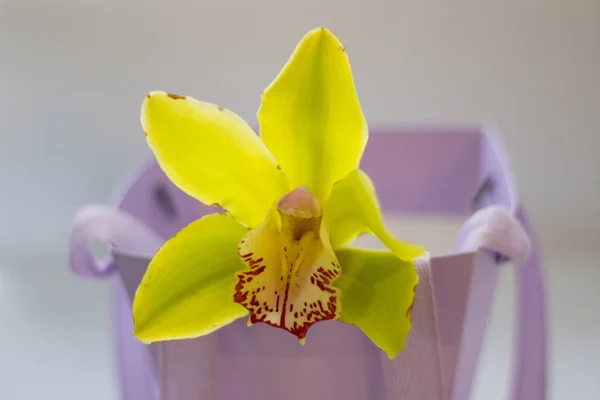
295, 199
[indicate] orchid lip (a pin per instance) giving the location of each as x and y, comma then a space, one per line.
288, 283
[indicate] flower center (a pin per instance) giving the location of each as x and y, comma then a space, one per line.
291, 267
300, 213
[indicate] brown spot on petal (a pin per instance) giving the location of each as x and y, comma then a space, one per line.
175, 96
221, 108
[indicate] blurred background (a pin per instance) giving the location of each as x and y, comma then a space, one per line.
73, 75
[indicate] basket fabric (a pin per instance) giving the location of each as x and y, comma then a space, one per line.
460, 171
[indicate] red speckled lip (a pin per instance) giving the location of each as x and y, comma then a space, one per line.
286, 306
288, 282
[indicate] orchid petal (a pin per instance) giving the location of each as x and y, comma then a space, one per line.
310, 117
353, 209
213, 155
377, 292
187, 290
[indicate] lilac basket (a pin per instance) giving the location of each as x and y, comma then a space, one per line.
461, 172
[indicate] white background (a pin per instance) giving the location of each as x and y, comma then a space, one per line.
73, 75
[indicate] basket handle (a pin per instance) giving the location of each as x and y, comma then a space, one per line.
510, 237
108, 226
529, 382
